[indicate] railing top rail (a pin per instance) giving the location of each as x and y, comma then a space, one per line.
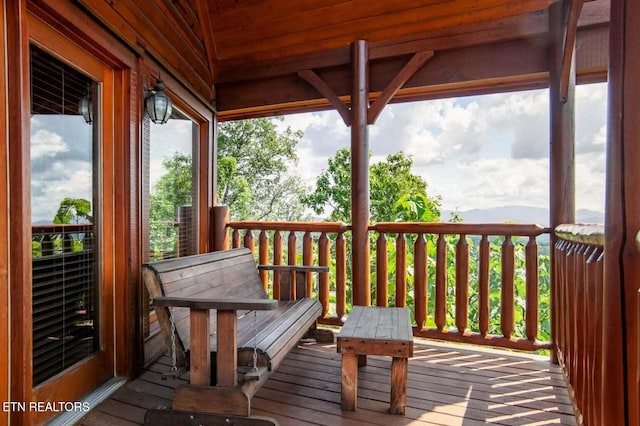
61, 227
459, 228
291, 226
592, 234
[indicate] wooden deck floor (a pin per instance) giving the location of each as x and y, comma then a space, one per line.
447, 385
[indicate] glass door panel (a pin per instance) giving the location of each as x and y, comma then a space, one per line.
65, 188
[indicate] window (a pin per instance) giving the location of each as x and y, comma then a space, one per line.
64, 182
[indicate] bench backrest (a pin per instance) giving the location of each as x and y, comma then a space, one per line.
218, 275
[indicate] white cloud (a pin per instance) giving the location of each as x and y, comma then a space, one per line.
475, 152
45, 143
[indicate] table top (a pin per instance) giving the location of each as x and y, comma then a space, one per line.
377, 324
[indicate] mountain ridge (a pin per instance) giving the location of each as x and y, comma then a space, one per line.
519, 214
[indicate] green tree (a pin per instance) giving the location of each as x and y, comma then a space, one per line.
73, 209
395, 192
172, 190
254, 164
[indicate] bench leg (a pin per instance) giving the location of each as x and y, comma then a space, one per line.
349, 381
398, 385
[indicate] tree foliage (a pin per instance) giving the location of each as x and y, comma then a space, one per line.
73, 209
255, 160
395, 192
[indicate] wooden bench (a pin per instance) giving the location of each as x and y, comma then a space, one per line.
218, 349
375, 331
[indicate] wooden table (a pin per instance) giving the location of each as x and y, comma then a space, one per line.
375, 331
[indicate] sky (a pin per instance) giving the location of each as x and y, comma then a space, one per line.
474, 152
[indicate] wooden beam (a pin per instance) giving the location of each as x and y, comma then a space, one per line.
417, 61
493, 68
568, 55
622, 221
321, 86
360, 175
562, 149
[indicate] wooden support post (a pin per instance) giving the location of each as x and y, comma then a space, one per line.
360, 175
200, 357
562, 147
620, 380
227, 355
219, 236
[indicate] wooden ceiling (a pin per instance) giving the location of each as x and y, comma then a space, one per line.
251, 51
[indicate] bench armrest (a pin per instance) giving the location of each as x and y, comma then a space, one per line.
219, 304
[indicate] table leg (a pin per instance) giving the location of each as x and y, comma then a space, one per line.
398, 385
349, 381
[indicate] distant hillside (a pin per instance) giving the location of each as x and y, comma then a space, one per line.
520, 214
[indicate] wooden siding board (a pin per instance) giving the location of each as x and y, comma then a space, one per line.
166, 53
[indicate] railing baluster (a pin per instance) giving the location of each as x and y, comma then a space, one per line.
441, 283
341, 275
531, 262
382, 271
263, 257
507, 320
235, 239
483, 285
277, 260
420, 280
292, 259
249, 240
307, 259
462, 283
570, 291
323, 284
401, 271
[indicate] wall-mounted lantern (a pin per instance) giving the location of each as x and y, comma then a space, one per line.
157, 105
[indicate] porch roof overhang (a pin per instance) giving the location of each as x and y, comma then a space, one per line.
245, 56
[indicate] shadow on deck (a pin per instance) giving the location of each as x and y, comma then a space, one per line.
447, 385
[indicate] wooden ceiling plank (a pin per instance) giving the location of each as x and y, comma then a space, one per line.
415, 63
243, 15
128, 32
183, 19
521, 26
207, 30
296, 38
571, 29
321, 86
311, 16
146, 18
189, 13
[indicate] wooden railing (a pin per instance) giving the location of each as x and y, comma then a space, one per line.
60, 238
417, 276
317, 238
441, 303
578, 312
